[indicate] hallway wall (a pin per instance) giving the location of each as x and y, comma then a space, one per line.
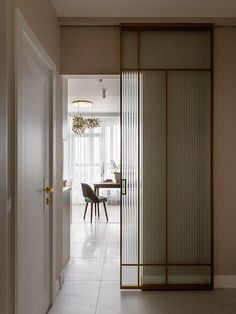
225, 151
90, 50
42, 18
103, 43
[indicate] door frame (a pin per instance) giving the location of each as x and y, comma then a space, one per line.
3, 152
24, 32
168, 26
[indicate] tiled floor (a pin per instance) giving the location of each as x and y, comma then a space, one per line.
92, 279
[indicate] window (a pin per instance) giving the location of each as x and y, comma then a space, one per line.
92, 153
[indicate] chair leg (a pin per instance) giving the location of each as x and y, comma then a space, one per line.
95, 209
105, 210
98, 211
85, 211
91, 213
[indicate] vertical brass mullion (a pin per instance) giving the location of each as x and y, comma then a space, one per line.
212, 155
121, 151
139, 157
166, 191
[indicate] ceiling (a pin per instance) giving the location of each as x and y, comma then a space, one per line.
145, 8
89, 88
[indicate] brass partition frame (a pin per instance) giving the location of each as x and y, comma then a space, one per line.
167, 286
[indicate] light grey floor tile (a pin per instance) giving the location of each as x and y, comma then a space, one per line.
81, 237
113, 300
113, 239
111, 269
92, 229
92, 279
88, 249
112, 210
72, 305
74, 228
85, 269
114, 228
113, 249
199, 302
76, 297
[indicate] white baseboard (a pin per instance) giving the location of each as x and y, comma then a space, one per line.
225, 281
219, 281
57, 288
60, 281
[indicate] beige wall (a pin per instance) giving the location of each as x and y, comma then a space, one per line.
225, 151
90, 50
42, 19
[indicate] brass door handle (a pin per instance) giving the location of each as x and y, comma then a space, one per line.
49, 189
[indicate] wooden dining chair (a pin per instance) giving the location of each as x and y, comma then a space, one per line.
91, 197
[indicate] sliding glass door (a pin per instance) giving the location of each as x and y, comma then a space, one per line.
166, 225
130, 180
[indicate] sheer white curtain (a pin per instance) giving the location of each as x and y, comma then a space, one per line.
92, 153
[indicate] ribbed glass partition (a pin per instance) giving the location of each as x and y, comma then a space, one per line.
130, 183
174, 49
166, 158
153, 165
189, 166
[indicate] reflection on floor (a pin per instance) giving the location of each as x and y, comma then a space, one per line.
113, 214
92, 279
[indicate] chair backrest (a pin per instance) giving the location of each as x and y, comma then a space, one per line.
88, 192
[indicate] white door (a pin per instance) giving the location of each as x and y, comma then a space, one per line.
33, 218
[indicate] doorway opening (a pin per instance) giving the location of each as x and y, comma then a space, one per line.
92, 157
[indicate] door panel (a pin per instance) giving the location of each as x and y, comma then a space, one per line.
166, 225
33, 176
130, 176
189, 180
153, 164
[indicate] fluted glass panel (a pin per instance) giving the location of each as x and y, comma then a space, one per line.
189, 275
130, 276
175, 49
167, 165
130, 49
130, 172
153, 162
189, 183
152, 275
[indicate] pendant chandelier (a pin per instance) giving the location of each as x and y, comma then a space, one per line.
79, 123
